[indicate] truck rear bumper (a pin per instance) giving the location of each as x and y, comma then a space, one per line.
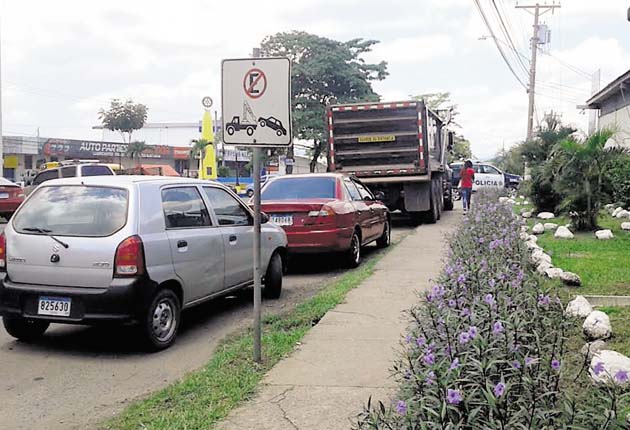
394, 179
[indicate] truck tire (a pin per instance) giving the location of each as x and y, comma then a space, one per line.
448, 199
250, 130
230, 130
432, 215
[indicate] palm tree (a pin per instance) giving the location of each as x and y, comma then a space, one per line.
582, 167
135, 150
198, 150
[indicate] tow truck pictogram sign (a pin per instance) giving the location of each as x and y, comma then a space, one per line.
256, 101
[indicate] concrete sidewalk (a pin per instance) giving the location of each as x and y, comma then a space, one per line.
347, 356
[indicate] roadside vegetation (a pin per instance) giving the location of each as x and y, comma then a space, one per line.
206, 396
480, 352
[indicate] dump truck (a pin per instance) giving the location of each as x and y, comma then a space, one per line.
398, 150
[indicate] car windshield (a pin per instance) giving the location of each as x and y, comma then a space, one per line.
74, 211
299, 189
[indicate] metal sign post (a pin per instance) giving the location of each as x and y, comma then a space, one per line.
256, 107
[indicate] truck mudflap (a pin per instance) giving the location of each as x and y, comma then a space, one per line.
417, 196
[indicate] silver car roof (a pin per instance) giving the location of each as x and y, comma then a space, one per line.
126, 180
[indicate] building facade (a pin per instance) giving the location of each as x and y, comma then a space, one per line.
613, 106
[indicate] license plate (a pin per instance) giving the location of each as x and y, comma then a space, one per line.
282, 219
4, 195
56, 306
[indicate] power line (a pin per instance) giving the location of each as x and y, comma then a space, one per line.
508, 36
571, 67
505, 59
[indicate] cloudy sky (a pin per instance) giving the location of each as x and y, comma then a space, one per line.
64, 60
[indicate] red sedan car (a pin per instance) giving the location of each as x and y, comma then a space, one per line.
11, 197
324, 213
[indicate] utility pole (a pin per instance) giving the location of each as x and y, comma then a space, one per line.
531, 90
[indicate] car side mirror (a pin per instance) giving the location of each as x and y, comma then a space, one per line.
368, 199
380, 195
264, 218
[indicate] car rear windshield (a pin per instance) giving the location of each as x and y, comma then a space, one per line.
74, 210
96, 171
299, 189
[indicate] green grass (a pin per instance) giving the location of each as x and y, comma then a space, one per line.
206, 396
620, 320
603, 265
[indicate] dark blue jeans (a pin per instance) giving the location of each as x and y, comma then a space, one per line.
466, 193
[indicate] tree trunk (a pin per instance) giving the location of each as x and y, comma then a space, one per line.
289, 169
589, 205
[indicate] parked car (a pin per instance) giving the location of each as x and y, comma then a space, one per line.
129, 249
70, 170
324, 213
486, 175
11, 197
512, 181
249, 191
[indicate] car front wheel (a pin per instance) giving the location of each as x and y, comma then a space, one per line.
273, 278
161, 320
23, 328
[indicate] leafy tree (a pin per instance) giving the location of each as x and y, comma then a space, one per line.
135, 150
198, 149
461, 149
581, 172
617, 180
511, 160
124, 117
323, 71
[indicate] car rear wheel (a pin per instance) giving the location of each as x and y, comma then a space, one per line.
386, 238
353, 255
161, 320
24, 328
273, 278
279, 132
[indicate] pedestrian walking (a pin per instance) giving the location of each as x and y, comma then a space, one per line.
467, 177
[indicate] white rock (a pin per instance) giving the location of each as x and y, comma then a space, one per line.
532, 238
579, 307
612, 363
510, 201
524, 228
604, 234
523, 235
517, 203
538, 256
554, 273
609, 206
532, 245
616, 211
563, 233
591, 348
550, 226
503, 199
527, 214
546, 215
597, 326
526, 202
625, 225
538, 229
571, 279
543, 266
623, 214
521, 197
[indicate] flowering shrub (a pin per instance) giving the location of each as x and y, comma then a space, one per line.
486, 348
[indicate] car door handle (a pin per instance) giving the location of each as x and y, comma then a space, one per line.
182, 244
232, 239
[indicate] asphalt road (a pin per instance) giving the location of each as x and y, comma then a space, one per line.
75, 376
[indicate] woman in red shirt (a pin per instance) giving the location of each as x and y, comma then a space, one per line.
467, 177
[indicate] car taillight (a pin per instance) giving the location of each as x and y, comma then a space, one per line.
3, 252
129, 260
323, 212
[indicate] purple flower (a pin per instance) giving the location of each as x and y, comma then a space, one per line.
420, 341
464, 338
555, 364
516, 284
599, 368
492, 283
449, 270
430, 379
543, 300
454, 397
516, 364
481, 240
466, 312
461, 279
529, 361
489, 299
454, 364
499, 389
497, 328
452, 303
429, 358
437, 290
621, 376
407, 375
401, 407
472, 332
408, 338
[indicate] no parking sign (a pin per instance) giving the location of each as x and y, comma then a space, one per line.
256, 101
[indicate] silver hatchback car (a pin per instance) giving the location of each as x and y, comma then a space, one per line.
129, 249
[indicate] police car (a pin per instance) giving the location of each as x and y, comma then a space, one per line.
486, 175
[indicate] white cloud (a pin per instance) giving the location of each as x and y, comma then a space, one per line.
407, 50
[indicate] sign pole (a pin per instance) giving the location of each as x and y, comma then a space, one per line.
257, 274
